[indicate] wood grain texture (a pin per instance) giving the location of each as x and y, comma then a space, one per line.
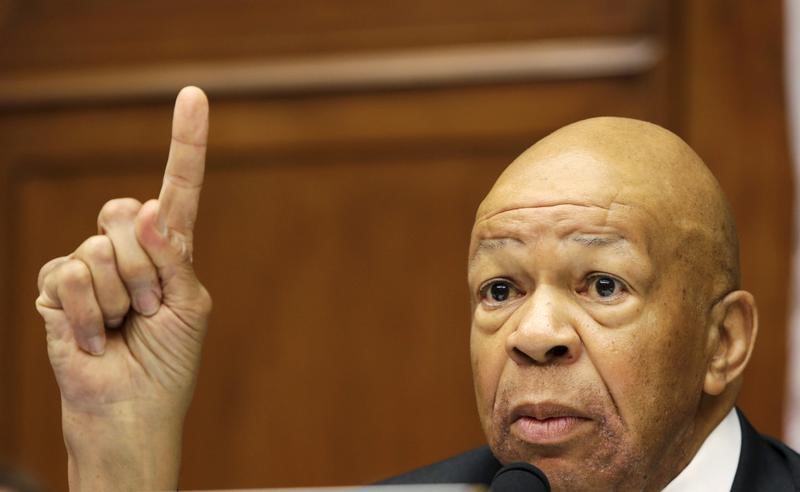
8, 369
734, 118
42, 35
380, 70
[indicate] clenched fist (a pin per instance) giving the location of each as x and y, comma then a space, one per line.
125, 317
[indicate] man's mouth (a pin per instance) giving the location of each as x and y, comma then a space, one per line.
547, 423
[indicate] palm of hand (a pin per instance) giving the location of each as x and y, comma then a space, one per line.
146, 359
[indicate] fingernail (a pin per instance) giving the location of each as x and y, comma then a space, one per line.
114, 323
146, 302
96, 345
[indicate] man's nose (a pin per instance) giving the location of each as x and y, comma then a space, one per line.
545, 331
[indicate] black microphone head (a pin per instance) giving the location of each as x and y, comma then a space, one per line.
519, 477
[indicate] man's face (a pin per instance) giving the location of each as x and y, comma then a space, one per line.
588, 349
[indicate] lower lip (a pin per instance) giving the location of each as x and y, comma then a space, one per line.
551, 430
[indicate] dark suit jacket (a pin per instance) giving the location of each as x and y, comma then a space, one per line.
765, 464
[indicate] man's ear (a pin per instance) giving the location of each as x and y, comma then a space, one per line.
730, 339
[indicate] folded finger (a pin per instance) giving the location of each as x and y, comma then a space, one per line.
97, 253
134, 266
47, 268
69, 286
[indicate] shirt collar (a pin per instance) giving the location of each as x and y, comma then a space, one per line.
714, 466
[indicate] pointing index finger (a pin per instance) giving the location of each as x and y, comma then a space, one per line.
183, 178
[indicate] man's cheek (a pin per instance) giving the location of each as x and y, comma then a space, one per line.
488, 360
626, 373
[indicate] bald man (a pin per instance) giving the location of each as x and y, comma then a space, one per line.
609, 331
608, 341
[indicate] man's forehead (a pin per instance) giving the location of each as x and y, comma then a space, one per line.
589, 240
572, 177
563, 219
583, 229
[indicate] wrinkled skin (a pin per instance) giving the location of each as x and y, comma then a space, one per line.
608, 334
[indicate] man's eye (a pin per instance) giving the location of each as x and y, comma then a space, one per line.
498, 291
605, 287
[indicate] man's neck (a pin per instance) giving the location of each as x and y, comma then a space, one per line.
714, 465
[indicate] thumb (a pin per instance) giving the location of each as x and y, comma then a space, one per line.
171, 253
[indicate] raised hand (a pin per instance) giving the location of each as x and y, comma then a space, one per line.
125, 317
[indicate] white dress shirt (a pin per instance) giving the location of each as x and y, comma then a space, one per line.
714, 466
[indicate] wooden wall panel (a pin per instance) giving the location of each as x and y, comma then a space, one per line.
8, 369
53, 34
734, 117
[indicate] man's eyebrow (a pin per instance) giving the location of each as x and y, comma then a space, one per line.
599, 241
498, 243
493, 244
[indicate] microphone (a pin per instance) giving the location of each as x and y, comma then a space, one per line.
519, 477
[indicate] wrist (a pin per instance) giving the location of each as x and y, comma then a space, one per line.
122, 451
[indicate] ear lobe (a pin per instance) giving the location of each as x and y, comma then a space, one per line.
730, 340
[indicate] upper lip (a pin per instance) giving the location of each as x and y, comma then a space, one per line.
546, 410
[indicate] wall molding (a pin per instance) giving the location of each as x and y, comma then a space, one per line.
495, 63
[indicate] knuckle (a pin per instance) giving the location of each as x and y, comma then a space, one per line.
41, 306
74, 274
204, 302
99, 249
47, 269
118, 209
44, 304
183, 245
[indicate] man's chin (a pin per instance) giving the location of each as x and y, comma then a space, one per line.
566, 475
571, 467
